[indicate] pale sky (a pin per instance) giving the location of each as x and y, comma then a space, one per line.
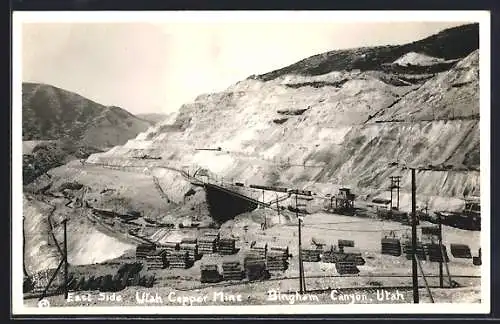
146, 67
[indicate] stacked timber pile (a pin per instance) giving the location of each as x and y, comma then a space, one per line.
143, 250
461, 251
277, 261
209, 273
408, 250
231, 270
283, 249
311, 254
330, 255
259, 248
157, 260
179, 259
207, 244
191, 249
169, 246
353, 256
477, 260
346, 268
227, 246
391, 246
255, 267
435, 253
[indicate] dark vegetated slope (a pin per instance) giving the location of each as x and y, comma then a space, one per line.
51, 113
452, 43
46, 156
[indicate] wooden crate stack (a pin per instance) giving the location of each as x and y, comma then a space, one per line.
143, 250
420, 251
227, 246
346, 268
210, 273
391, 246
191, 249
178, 259
311, 254
277, 260
435, 254
231, 270
461, 251
157, 260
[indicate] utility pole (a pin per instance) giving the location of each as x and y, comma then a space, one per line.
440, 242
301, 270
65, 260
414, 238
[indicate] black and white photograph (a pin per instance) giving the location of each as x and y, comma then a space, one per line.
251, 162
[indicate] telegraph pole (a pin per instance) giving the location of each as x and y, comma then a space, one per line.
414, 238
65, 260
440, 242
301, 270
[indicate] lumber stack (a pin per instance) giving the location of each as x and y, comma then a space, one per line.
391, 246
460, 251
231, 270
283, 249
420, 251
191, 249
259, 248
346, 268
311, 255
157, 260
178, 259
169, 246
207, 244
435, 254
345, 243
143, 250
277, 261
256, 270
227, 246
209, 273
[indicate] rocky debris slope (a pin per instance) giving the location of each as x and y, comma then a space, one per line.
51, 113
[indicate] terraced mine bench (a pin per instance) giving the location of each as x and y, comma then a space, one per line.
227, 246
311, 254
179, 259
276, 261
210, 273
460, 251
